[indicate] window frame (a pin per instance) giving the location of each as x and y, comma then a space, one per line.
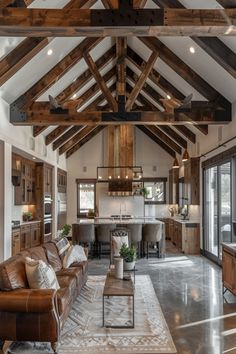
154, 180
84, 181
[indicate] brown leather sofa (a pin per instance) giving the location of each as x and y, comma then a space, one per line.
37, 315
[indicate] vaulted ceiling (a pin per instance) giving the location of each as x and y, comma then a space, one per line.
139, 80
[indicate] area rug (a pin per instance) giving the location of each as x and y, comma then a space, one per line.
83, 332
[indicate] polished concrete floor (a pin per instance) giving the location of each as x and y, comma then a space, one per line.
189, 289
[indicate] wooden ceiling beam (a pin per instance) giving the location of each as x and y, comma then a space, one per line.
20, 56
60, 69
213, 46
165, 138
121, 53
186, 132
76, 138
168, 3
97, 117
80, 4
139, 4
83, 141
37, 130
158, 141
79, 101
57, 132
34, 22
110, 4
175, 136
147, 88
53, 135
188, 74
84, 78
100, 80
227, 4
69, 134
141, 80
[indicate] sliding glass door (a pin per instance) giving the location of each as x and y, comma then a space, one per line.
217, 208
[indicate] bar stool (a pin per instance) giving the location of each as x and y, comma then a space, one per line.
152, 233
103, 236
83, 234
136, 236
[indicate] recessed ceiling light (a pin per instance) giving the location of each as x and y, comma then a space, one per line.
34, 158
192, 50
50, 51
126, 177
74, 96
118, 176
169, 97
109, 177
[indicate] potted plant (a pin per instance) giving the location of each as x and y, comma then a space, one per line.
65, 230
129, 256
144, 191
27, 216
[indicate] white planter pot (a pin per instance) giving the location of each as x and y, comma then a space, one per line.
129, 265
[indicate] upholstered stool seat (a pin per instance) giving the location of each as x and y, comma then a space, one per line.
83, 234
152, 233
103, 236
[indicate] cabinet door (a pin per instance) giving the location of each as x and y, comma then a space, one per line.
171, 230
228, 270
192, 239
25, 237
15, 242
35, 235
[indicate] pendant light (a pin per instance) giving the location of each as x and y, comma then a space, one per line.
185, 156
175, 163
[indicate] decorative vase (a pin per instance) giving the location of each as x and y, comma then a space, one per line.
119, 272
129, 265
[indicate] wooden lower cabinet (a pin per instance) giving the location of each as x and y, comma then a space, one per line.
185, 236
28, 235
229, 267
15, 241
191, 238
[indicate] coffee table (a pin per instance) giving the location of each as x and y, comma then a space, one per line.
117, 287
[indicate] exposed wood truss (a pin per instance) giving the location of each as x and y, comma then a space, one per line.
140, 22
131, 90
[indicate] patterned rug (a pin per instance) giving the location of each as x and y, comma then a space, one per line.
83, 332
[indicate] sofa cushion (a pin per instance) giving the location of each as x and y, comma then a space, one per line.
75, 272
40, 275
12, 274
74, 254
52, 255
37, 253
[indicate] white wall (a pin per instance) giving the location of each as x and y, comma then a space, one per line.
146, 153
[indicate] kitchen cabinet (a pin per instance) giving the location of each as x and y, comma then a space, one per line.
184, 235
30, 235
15, 241
47, 180
61, 181
23, 174
167, 228
191, 238
229, 267
25, 237
192, 181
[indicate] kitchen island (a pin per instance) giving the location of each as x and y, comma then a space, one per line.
125, 222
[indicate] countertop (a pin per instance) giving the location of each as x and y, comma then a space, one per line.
17, 226
189, 221
104, 220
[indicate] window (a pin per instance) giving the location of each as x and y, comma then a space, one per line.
86, 196
156, 190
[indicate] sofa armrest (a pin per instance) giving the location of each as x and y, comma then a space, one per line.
86, 251
28, 300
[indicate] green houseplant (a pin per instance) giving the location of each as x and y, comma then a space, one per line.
129, 255
27, 216
144, 191
66, 230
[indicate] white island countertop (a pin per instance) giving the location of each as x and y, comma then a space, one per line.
108, 220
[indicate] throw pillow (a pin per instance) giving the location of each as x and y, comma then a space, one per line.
62, 245
40, 275
75, 254
117, 242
